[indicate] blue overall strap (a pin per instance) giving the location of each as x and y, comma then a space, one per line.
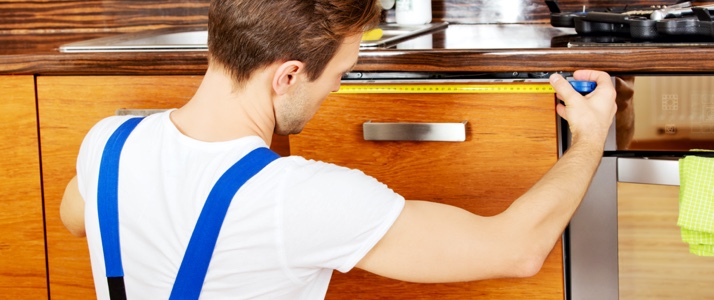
194, 265
108, 211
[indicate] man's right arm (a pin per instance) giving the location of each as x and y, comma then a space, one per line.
432, 242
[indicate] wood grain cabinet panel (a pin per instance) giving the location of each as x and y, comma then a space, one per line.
68, 107
510, 143
22, 240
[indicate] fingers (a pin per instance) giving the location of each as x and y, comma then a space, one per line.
599, 101
591, 75
602, 79
560, 109
564, 91
588, 116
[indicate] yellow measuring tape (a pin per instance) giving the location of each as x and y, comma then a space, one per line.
485, 88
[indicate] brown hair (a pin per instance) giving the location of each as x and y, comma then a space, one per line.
245, 35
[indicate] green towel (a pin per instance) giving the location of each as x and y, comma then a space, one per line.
696, 204
697, 237
700, 243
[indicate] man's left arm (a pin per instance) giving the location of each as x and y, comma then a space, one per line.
72, 209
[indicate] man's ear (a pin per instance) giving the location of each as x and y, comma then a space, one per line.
286, 75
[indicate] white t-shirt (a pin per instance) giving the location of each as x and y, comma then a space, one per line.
287, 228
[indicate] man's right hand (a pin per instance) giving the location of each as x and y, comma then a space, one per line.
589, 116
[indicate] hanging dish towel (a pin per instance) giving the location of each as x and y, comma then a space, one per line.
696, 204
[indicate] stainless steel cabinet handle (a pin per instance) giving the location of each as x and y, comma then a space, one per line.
137, 112
648, 171
432, 132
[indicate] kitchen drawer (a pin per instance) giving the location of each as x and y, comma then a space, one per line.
510, 143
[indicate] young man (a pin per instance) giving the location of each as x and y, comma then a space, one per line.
295, 221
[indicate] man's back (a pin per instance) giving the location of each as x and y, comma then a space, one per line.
285, 231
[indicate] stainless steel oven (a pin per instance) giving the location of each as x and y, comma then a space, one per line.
623, 242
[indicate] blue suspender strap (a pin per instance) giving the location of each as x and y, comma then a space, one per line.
107, 207
194, 265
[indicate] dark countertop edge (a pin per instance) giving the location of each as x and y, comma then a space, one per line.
616, 60
166, 63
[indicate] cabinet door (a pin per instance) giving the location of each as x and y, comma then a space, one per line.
510, 143
22, 241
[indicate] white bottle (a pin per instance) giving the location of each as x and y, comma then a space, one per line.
412, 12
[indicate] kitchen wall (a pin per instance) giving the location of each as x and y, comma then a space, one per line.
63, 16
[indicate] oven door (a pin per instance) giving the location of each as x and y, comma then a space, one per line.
624, 242
653, 261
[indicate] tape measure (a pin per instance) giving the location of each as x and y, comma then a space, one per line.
476, 88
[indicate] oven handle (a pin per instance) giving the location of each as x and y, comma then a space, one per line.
648, 170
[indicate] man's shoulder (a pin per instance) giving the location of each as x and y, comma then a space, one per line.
108, 125
105, 127
306, 172
299, 164
100, 132
96, 138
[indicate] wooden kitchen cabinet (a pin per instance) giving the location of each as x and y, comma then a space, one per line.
22, 240
510, 143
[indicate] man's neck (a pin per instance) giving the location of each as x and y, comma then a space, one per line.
218, 113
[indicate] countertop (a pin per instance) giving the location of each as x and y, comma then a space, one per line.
459, 48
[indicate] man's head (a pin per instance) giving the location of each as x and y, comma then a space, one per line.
246, 35
297, 97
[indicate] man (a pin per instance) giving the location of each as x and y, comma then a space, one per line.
295, 221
